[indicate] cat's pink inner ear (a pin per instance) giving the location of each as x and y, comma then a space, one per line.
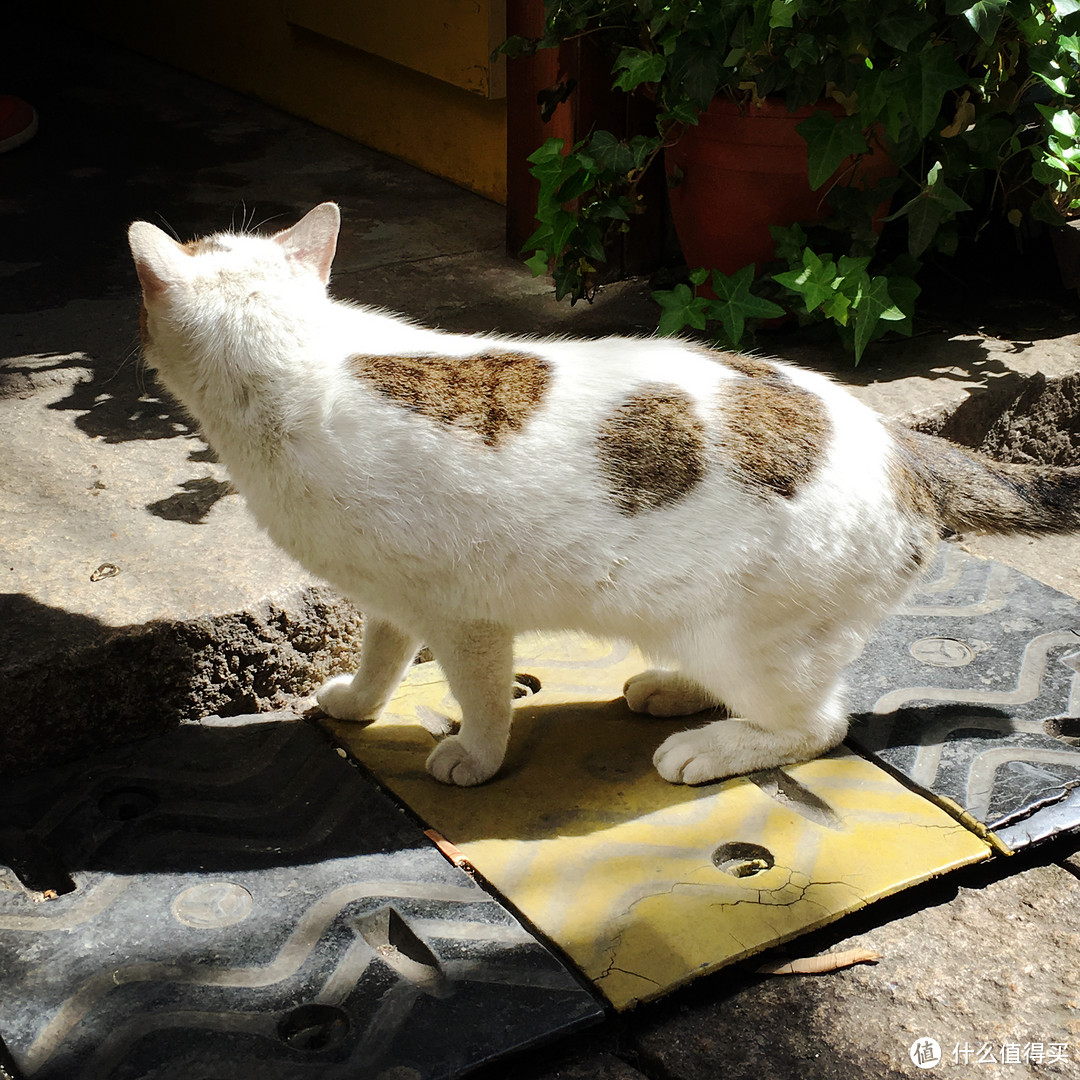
153, 286
156, 258
312, 241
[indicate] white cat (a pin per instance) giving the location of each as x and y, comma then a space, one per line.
744, 522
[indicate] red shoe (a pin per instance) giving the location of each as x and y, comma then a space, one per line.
18, 122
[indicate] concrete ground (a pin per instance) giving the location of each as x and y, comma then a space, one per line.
138, 589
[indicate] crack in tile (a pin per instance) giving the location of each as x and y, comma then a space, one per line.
1037, 804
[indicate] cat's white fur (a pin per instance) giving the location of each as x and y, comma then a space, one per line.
755, 601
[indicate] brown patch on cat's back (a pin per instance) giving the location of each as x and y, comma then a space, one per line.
753, 367
490, 393
652, 448
773, 433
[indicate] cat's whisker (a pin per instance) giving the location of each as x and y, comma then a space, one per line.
172, 232
264, 221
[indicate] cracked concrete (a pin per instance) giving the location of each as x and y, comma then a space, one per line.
204, 615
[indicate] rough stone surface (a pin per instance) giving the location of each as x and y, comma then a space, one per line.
101, 684
599, 1066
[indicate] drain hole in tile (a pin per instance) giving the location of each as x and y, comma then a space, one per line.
524, 685
126, 804
313, 1028
742, 860
400, 949
1065, 728
35, 864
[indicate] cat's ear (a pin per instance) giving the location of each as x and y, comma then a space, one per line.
312, 241
159, 260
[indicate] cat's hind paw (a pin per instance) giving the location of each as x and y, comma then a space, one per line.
340, 701
453, 763
694, 757
666, 693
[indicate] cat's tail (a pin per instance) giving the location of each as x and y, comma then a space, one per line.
967, 490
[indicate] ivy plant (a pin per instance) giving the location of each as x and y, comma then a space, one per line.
975, 102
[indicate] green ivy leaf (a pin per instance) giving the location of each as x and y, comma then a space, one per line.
611, 153
734, 302
789, 241
679, 307
904, 292
636, 66
934, 205
614, 207
815, 282
873, 304
933, 73
701, 77
1070, 43
538, 263
549, 150
924, 216
1063, 121
803, 51
900, 26
783, 12
837, 308
985, 18
829, 141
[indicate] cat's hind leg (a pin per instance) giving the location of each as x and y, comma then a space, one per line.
786, 703
477, 659
385, 656
667, 693
782, 733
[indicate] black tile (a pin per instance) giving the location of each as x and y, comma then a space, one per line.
970, 691
236, 900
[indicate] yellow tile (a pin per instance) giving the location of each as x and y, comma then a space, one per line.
620, 868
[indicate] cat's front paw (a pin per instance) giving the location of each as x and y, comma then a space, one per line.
339, 700
453, 763
665, 693
693, 757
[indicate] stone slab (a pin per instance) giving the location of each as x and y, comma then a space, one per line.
234, 898
646, 885
972, 691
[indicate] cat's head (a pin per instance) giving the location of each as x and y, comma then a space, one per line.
196, 295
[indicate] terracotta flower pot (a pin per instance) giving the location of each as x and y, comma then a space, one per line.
739, 173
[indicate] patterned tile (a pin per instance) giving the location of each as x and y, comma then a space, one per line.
238, 900
972, 691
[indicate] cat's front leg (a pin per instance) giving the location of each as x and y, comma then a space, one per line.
385, 655
477, 659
